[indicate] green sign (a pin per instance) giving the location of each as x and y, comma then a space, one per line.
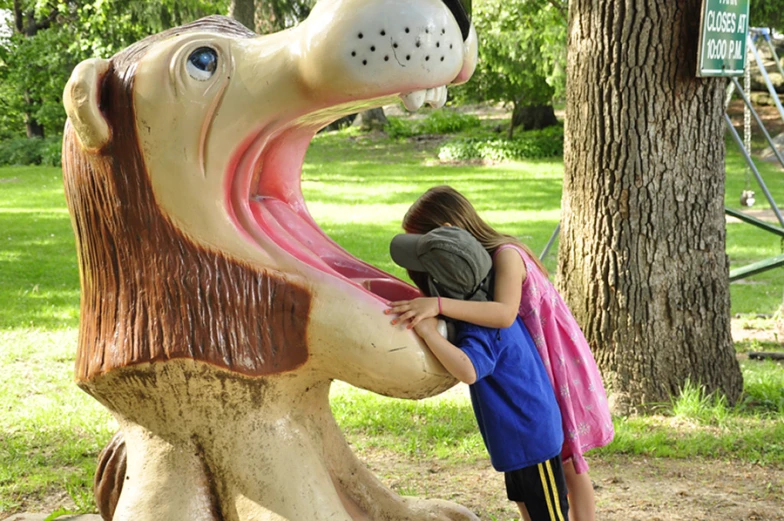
723, 33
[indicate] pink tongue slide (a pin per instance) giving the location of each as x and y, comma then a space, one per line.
292, 228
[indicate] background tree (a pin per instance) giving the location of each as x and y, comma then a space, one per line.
48, 38
244, 12
522, 55
28, 64
276, 15
645, 270
767, 13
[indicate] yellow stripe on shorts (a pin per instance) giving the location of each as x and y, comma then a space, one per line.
547, 493
555, 491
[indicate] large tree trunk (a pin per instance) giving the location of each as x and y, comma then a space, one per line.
32, 126
26, 24
243, 11
373, 119
644, 266
531, 118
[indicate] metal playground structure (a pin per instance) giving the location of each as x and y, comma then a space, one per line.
755, 35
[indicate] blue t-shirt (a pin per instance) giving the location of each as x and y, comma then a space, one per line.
513, 399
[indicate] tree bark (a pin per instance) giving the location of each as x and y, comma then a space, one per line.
373, 119
644, 267
243, 11
26, 24
530, 118
32, 126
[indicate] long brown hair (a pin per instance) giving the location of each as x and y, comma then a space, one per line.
443, 204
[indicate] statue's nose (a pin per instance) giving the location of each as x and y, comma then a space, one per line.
461, 10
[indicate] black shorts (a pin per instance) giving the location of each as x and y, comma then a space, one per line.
542, 488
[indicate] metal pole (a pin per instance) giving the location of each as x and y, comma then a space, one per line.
753, 168
759, 121
550, 242
761, 66
765, 32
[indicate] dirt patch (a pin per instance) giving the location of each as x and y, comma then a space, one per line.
627, 488
773, 332
763, 214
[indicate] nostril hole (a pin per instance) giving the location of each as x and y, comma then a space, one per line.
442, 58
408, 56
364, 62
373, 48
427, 31
418, 43
443, 31
427, 58
383, 32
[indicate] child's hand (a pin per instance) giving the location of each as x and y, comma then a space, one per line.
413, 311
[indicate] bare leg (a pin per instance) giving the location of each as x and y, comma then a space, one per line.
582, 505
523, 511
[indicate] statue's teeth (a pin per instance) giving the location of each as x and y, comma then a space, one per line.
435, 97
413, 101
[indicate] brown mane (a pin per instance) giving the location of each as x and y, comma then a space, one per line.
148, 292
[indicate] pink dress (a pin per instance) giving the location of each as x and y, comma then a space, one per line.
569, 363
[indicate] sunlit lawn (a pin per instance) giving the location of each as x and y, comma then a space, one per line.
358, 190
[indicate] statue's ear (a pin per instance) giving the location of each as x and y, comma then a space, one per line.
81, 99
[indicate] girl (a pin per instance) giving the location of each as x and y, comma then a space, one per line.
522, 288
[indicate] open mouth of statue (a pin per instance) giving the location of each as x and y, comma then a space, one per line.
264, 180
266, 201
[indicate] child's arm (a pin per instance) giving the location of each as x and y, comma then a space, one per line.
510, 273
451, 357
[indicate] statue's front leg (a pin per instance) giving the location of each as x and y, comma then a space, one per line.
164, 482
367, 493
276, 471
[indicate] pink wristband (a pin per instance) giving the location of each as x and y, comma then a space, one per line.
439, 306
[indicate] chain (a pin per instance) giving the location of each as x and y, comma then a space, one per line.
747, 118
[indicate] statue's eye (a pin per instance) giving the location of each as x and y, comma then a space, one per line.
202, 63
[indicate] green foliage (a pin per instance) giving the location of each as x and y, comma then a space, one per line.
275, 15
767, 13
56, 35
33, 73
437, 122
694, 402
522, 53
763, 388
31, 151
533, 144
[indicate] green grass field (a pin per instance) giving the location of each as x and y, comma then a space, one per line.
358, 190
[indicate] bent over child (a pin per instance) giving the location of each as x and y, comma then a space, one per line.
521, 288
512, 398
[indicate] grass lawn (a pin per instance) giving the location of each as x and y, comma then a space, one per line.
358, 190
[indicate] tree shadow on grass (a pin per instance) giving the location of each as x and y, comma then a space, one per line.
39, 278
499, 187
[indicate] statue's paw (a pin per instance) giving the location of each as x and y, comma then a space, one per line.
437, 510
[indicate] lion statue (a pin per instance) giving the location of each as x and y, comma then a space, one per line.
215, 313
